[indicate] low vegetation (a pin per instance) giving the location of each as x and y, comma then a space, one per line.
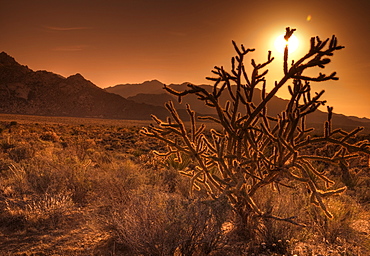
97, 190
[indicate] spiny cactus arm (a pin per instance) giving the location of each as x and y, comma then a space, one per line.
317, 194
217, 91
256, 76
238, 73
267, 132
296, 72
165, 154
213, 102
258, 151
163, 130
196, 177
308, 167
284, 150
365, 148
240, 70
303, 134
192, 123
332, 137
268, 179
334, 160
268, 97
296, 93
181, 126
289, 219
212, 186
211, 118
311, 184
193, 149
248, 119
243, 50
210, 146
178, 129
194, 144
331, 192
290, 157
290, 172
224, 163
247, 89
309, 104
248, 198
321, 77
316, 53
226, 171
346, 135
316, 199
352, 134
181, 94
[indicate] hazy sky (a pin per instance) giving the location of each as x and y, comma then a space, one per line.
130, 41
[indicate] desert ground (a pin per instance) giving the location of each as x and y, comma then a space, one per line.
75, 186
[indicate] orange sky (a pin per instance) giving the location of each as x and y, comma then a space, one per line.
129, 41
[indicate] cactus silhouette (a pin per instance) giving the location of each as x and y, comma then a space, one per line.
251, 149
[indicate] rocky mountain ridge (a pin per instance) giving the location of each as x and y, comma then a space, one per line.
24, 91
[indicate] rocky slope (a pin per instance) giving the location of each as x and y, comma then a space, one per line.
24, 91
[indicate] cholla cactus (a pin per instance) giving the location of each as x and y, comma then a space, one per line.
252, 149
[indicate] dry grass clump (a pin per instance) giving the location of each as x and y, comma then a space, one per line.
48, 211
162, 224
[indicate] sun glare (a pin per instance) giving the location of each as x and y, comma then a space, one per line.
292, 43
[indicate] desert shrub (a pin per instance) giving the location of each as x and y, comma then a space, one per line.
148, 212
13, 123
172, 162
252, 150
275, 236
345, 211
50, 136
21, 151
46, 211
15, 177
56, 174
158, 223
4, 163
7, 143
362, 189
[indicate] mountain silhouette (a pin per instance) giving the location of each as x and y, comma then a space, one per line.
129, 90
150, 94
24, 91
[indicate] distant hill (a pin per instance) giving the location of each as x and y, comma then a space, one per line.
150, 93
129, 90
24, 91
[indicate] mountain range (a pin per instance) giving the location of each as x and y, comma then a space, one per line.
151, 92
28, 92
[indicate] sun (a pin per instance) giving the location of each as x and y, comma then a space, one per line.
292, 43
